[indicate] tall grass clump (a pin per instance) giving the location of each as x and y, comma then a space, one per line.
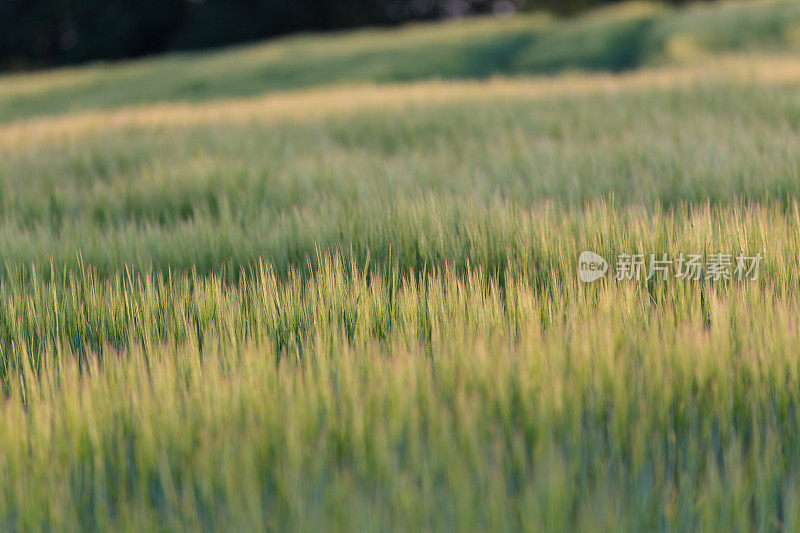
383, 399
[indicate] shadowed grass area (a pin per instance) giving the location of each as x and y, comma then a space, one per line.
612, 39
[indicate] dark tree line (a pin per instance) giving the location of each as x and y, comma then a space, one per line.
35, 33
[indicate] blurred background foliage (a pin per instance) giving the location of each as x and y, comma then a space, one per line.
40, 33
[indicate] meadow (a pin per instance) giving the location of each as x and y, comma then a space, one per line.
302, 285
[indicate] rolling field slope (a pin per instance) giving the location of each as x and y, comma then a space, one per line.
332, 281
618, 38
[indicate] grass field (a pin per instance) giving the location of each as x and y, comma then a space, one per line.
303, 285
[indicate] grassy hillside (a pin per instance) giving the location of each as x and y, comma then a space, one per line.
357, 306
362, 170
619, 38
